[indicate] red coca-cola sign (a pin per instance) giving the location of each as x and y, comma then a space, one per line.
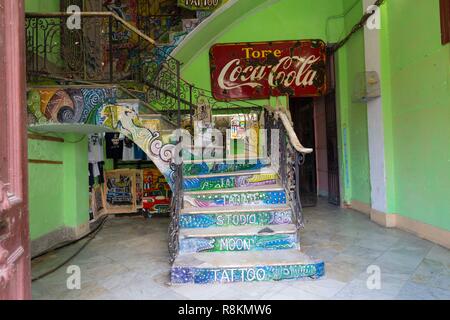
263, 69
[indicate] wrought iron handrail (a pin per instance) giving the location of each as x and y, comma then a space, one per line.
176, 206
93, 14
80, 53
287, 157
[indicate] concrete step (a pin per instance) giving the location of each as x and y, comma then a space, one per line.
201, 167
242, 238
238, 179
255, 266
236, 197
233, 217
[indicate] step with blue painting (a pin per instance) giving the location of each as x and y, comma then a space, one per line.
236, 197
238, 179
246, 238
235, 267
233, 217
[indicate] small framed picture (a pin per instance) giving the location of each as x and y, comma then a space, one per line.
119, 194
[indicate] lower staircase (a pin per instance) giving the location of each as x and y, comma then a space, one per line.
236, 225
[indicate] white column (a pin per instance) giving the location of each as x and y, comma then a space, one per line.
375, 121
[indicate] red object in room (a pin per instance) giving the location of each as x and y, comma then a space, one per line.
263, 69
156, 201
157, 194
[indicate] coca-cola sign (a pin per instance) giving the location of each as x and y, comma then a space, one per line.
263, 69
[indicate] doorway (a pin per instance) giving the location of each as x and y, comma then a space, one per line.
302, 112
315, 125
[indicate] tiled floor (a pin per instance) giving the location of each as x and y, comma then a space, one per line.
128, 260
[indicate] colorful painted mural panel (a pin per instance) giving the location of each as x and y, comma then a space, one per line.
239, 243
59, 105
216, 183
195, 221
236, 199
252, 274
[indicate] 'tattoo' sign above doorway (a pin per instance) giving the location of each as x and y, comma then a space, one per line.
262, 69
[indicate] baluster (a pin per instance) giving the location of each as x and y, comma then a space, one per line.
110, 35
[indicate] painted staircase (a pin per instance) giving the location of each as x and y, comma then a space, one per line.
237, 226
176, 34
232, 221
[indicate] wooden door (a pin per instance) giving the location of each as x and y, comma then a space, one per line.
302, 111
14, 231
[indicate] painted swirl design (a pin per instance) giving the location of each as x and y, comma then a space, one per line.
64, 107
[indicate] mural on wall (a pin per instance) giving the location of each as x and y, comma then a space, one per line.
194, 221
236, 199
239, 243
125, 43
120, 191
96, 106
67, 105
157, 194
253, 274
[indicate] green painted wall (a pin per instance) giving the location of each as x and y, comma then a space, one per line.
259, 20
416, 103
58, 193
42, 6
45, 185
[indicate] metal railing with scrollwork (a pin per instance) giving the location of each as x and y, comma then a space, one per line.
176, 206
287, 155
